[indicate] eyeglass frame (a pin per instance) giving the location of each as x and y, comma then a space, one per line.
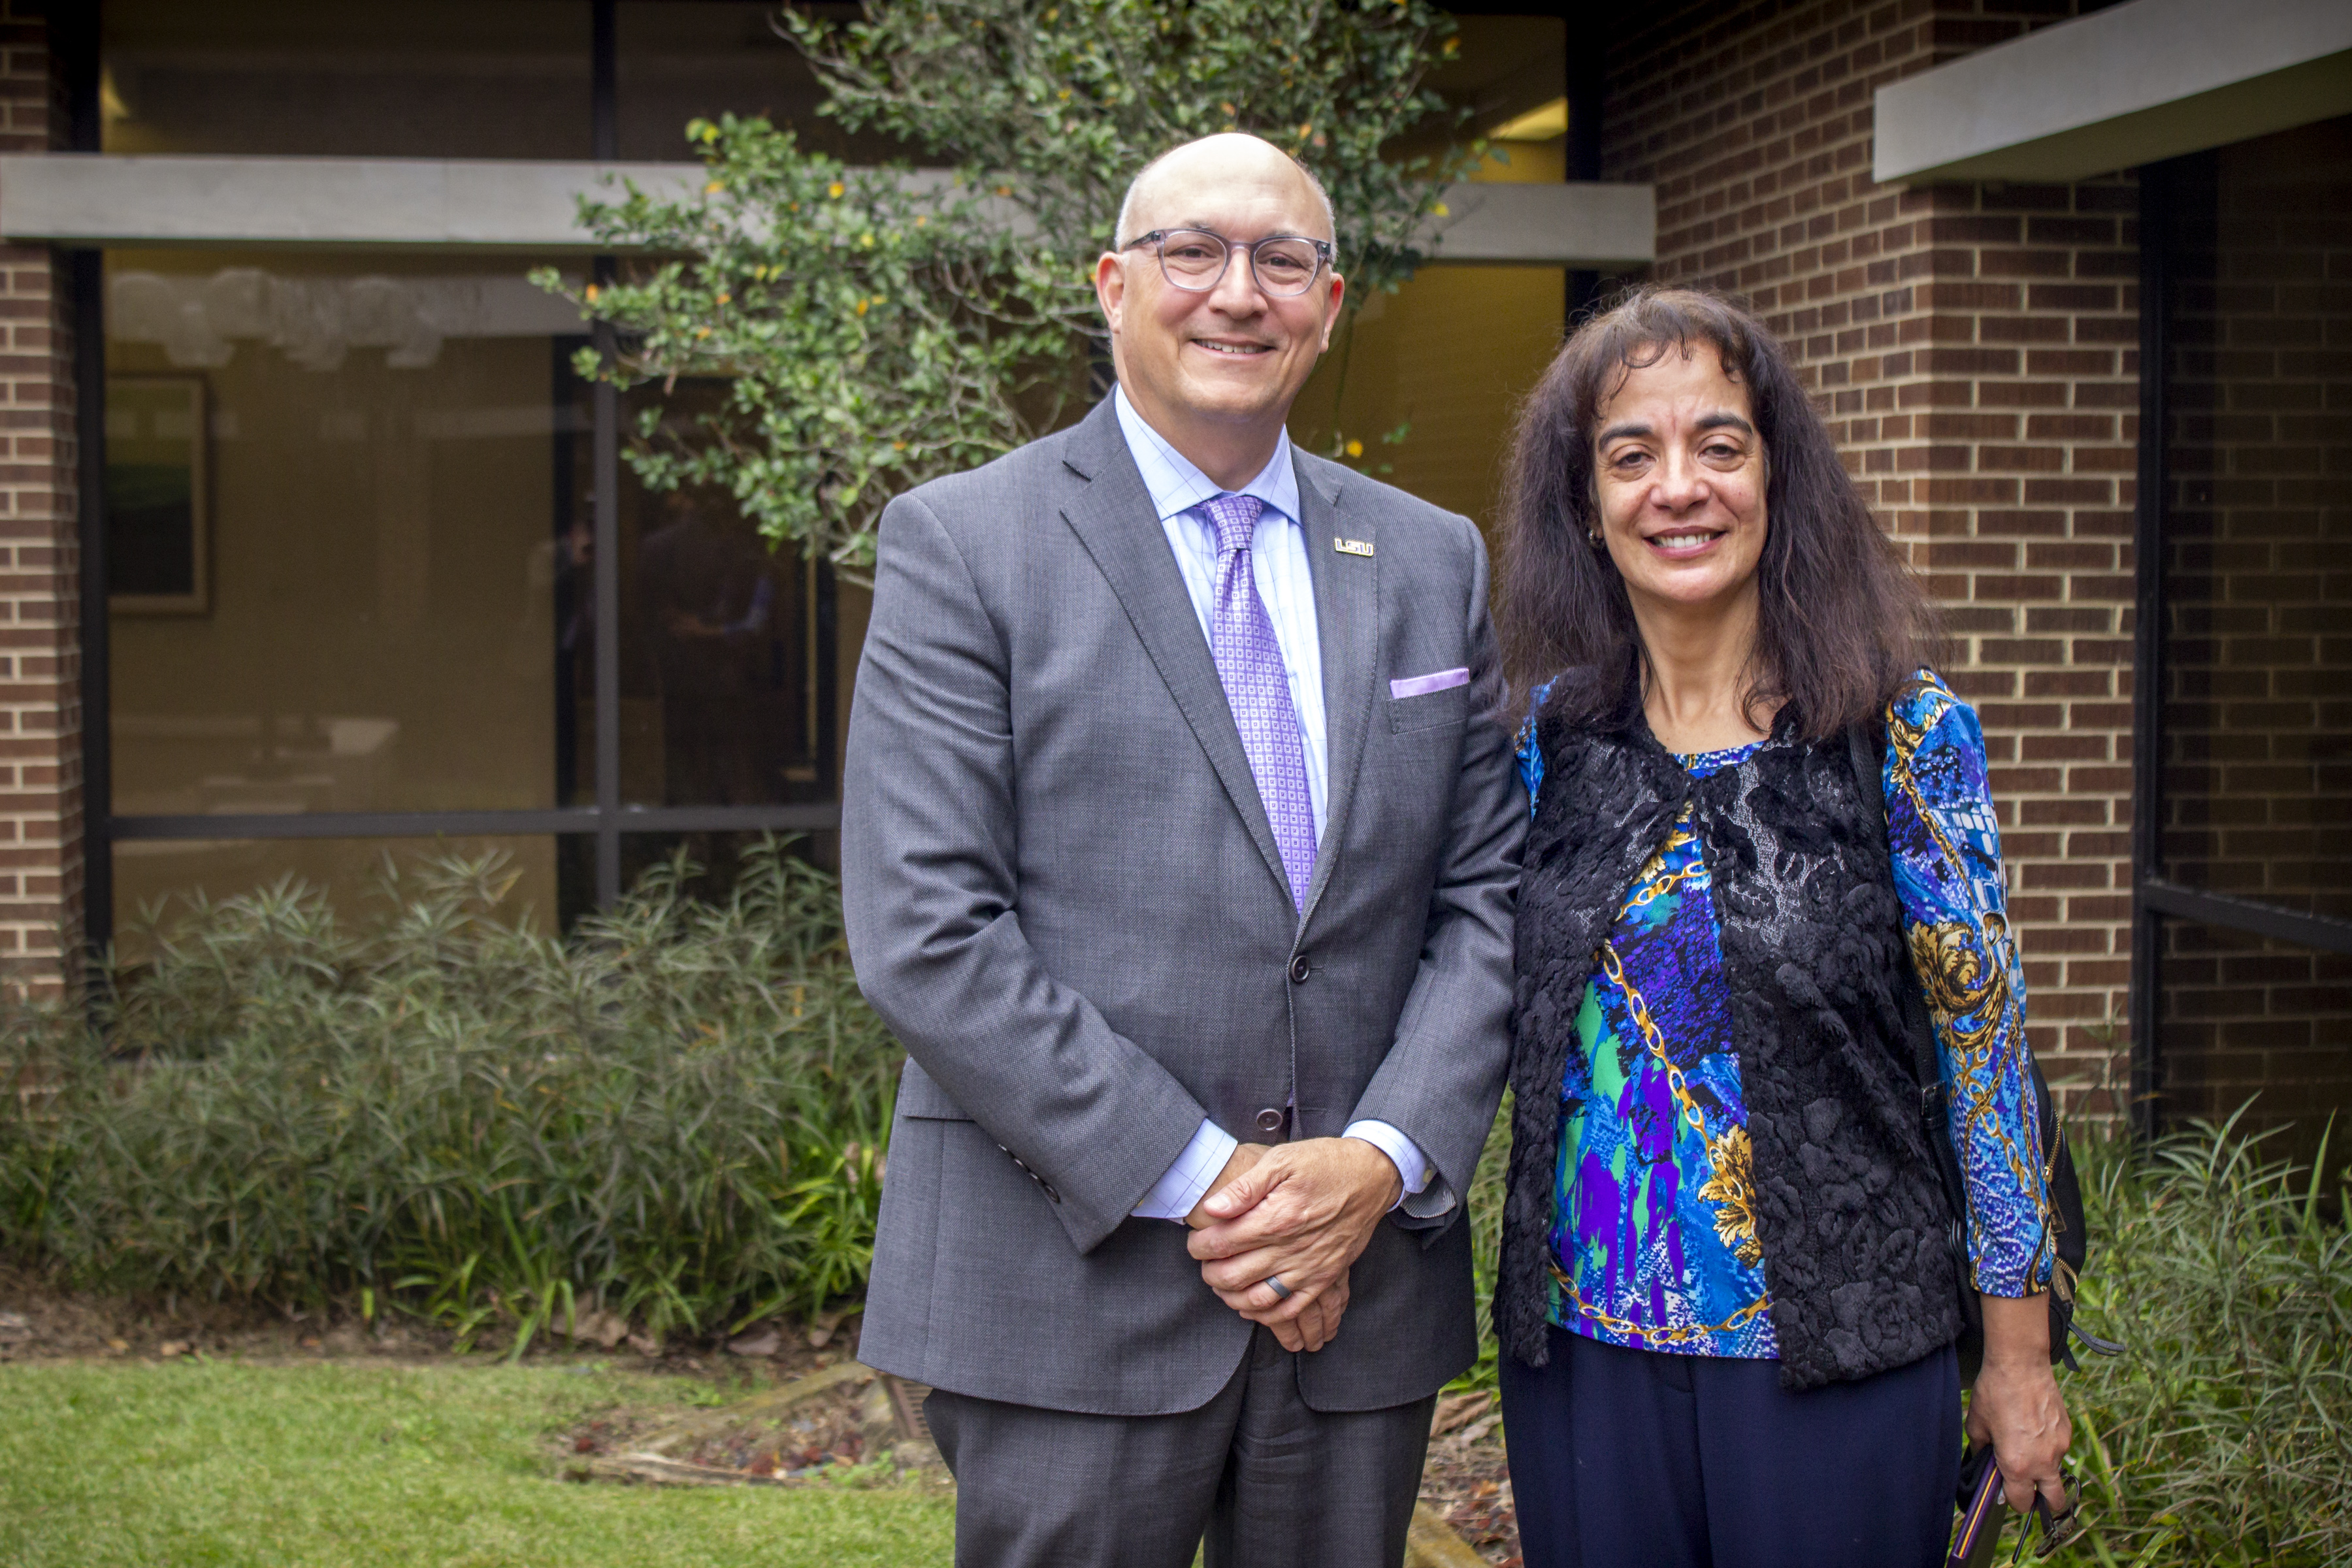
1326, 254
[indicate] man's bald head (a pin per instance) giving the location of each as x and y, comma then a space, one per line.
1233, 151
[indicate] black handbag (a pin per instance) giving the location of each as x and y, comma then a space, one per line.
1865, 745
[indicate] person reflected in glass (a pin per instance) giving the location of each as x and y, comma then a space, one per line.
729, 679
1728, 1300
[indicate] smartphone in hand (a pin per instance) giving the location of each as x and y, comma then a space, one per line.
1983, 1510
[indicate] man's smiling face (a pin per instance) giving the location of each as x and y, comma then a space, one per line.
1231, 355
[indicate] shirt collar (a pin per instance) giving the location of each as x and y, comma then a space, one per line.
1177, 485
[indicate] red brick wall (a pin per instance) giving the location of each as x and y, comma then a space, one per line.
1976, 350
40, 728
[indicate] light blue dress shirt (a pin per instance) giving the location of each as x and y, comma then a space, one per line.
1278, 566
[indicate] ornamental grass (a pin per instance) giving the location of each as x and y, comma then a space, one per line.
2224, 1435
676, 1114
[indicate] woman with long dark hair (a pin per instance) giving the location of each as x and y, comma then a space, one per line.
1762, 881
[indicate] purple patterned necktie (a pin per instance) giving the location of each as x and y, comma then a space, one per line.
1257, 687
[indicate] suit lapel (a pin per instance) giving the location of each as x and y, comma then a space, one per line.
1347, 624
1113, 516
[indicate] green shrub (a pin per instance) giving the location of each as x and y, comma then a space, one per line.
677, 1114
1486, 1221
2225, 1434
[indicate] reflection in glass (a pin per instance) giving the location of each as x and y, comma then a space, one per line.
723, 659
2249, 1019
425, 79
2258, 521
379, 460
679, 62
157, 496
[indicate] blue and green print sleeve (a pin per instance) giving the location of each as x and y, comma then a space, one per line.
1946, 845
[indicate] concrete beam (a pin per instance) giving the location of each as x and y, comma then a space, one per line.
401, 204
1580, 223
2130, 84
365, 203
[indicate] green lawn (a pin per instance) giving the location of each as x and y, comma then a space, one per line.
190, 1462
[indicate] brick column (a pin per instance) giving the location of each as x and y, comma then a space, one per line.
40, 698
1975, 348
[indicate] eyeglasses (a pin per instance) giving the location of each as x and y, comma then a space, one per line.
1285, 265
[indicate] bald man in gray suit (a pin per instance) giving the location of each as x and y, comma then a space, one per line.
1176, 855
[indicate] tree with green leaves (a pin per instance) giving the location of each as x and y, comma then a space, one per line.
876, 328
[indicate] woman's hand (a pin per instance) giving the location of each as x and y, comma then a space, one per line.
2016, 1404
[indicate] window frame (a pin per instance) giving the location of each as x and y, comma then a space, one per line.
605, 820
2156, 896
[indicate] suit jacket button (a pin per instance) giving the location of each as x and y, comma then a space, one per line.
1299, 970
1051, 1195
1269, 1120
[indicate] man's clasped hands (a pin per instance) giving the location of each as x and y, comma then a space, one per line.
1301, 1213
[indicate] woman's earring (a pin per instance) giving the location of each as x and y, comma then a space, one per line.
1593, 539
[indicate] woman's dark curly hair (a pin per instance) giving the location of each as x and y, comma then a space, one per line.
1842, 624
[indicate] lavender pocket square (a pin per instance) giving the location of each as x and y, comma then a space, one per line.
1423, 685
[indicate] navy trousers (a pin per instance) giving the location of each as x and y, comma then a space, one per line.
1640, 1459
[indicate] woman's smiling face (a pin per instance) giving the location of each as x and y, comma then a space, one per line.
1679, 473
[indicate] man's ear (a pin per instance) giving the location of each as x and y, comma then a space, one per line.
1331, 315
1110, 287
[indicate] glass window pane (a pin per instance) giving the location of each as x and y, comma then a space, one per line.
2246, 1018
722, 659
2258, 711
678, 62
339, 494
161, 876
423, 79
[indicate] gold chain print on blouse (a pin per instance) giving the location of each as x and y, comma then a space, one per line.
1730, 1184
1681, 1335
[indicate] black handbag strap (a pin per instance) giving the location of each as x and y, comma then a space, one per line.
1926, 1071
1862, 747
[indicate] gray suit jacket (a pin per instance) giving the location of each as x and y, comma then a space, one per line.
1062, 895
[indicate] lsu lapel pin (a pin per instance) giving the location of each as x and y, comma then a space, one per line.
1352, 546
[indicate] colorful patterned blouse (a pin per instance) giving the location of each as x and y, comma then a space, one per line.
1653, 1242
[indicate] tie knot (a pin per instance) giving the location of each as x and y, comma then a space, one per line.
1235, 520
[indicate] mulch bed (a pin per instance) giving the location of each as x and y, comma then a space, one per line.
38, 1323
840, 1424
1466, 1478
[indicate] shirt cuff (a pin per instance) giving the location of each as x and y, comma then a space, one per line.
1413, 1166
1180, 1189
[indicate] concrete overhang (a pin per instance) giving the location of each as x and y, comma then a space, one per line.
2139, 82
457, 205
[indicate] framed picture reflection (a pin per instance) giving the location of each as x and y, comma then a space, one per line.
158, 522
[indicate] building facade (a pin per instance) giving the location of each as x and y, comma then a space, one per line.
373, 580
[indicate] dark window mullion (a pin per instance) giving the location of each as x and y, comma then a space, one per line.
2156, 190
816, 817
2255, 917
604, 114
